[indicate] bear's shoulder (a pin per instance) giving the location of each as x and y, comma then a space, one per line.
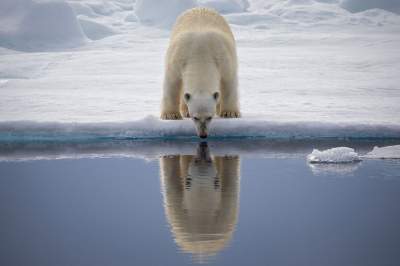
201, 19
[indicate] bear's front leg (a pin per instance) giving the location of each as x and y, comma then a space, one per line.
184, 109
171, 116
171, 98
229, 105
170, 109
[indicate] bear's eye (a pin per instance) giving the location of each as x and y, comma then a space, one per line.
209, 118
187, 96
216, 95
196, 118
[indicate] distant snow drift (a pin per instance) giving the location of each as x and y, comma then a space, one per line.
226, 6
36, 25
161, 12
362, 5
153, 128
40, 25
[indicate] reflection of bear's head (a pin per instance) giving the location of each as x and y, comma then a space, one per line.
201, 200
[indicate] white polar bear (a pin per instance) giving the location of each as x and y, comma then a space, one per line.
201, 70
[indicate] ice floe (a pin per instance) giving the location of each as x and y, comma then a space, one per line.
334, 155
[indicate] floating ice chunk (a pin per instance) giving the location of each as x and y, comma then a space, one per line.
334, 155
388, 152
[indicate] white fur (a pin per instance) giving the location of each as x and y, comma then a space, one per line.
201, 61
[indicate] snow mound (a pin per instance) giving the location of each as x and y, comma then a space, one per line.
100, 7
226, 6
295, 13
38, 25
81, 8
376, 17
131, 18
162, 13
95, 30
104, 8
388, 152
362, 5
245, 19
334, 155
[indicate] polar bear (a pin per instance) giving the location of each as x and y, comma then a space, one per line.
201, 199
201, 70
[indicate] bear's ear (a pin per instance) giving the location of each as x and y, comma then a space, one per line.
216, 95
186, 96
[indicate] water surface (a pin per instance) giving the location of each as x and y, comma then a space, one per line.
198, 204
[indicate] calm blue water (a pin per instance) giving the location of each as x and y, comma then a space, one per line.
194, 207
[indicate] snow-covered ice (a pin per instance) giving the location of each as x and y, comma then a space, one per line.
151, 127
306, 68
388, 152
334, 155
348, 155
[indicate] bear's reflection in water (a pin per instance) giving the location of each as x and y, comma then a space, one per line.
201, 200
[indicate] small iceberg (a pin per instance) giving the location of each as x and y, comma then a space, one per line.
334, 155
388, 152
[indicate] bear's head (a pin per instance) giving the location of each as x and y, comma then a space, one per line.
202, 108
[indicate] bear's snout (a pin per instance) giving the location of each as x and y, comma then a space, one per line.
202, 131
203, 135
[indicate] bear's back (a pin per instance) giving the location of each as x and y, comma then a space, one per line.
201, 19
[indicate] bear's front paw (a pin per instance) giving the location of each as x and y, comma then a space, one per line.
171, 116
230, 114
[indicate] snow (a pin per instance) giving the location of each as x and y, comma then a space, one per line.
362, 5
35, 25
226, 6
283, 77
307, 69
161, 12
334, 155
95, 30
388, 152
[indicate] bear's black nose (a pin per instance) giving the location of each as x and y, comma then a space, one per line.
203, 136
